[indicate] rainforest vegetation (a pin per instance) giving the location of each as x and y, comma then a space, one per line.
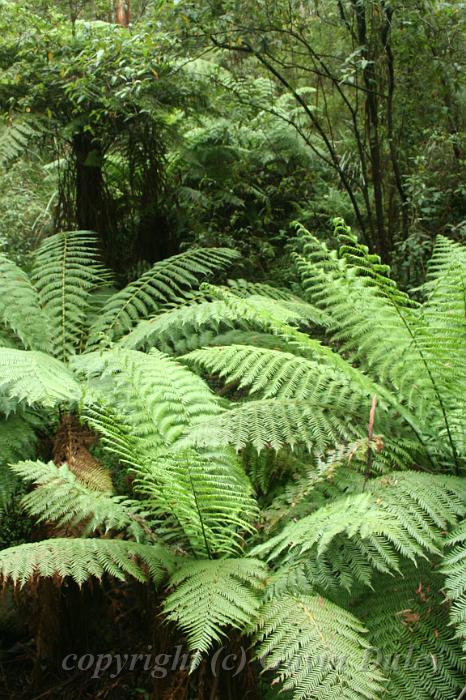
232, 350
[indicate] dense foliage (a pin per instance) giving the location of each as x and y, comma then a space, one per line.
232, 350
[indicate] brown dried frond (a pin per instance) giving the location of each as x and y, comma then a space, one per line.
70, 445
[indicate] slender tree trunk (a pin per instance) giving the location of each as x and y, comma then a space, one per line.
370, 83
386, 35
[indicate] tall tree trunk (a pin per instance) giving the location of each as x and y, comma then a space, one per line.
122, 12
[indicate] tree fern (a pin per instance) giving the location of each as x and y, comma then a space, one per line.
212, 596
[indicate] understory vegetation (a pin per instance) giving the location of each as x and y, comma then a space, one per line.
232, 351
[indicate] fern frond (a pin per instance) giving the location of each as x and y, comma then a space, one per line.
212, 596
202, 501
14, 139
444, 310
273, 424
33, 377
272, 373
407, 621
207, 496
368, 265
65, 272
446, 254
59, 496
403, 514
169, 328
454, 569
246, 288
159, 398
84, 558
17, 439
190, 325
167, 281
320, 649
20, 307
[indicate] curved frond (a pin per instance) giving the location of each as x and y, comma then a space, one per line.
82, 559
33, 377
167, 281
20, 307
317, 650
65, 272
212, 596
61, 497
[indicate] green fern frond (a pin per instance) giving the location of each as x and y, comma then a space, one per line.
444, 310
207, 496
407, 621
84, 558
446, 254
61, 497
20, 307
320, 649
14, 139
454, 569
159, 398
212, 596
403, 514
33, 377
18, 439
368, 265
167, 281
190, 325
273, 424
273, 373
169, 328
246, 288
201, 501
65, 272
